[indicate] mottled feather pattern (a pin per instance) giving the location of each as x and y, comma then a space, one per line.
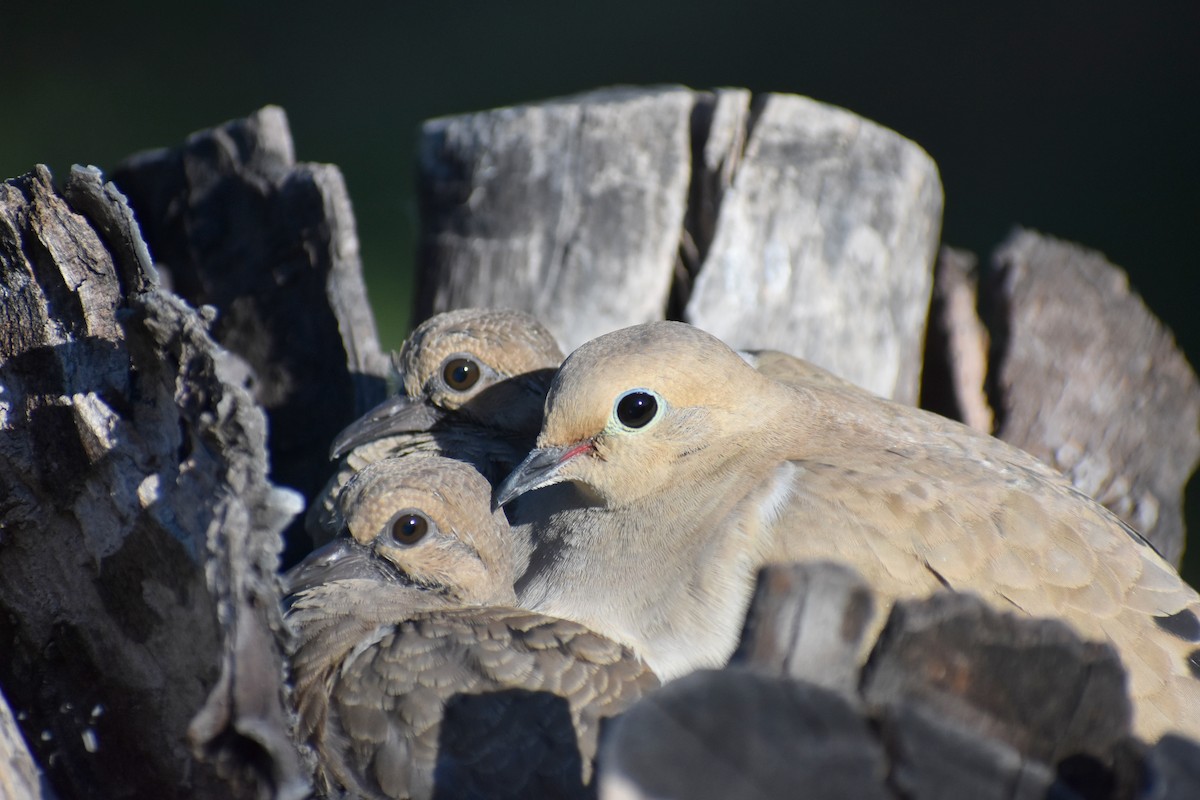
913, 501
417, 676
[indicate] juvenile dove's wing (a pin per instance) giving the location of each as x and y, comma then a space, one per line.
413, 674
488, 702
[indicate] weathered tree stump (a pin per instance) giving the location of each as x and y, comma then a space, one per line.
538, 207
1078, 372
956, 700
782, 223
235, 223
824, 245
139, 533
141, 500
789, 224
808, 621
1087, 379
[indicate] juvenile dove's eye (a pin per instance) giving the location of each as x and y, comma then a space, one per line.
636, 409
409, 528
460, 374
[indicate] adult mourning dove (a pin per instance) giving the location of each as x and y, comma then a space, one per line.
414, 674
685, 470
473, 384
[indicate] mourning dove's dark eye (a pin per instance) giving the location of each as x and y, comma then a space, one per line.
460, 374
409, 528
636, 409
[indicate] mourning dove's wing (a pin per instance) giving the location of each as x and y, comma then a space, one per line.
787, 368
413, 674
687, 470
473, 384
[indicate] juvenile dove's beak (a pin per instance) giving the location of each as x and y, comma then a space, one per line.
340, 559
397, 414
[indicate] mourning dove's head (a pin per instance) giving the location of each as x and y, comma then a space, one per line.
424, 521
627, 408
487, 366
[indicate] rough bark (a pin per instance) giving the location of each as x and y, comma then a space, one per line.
235, 223
782, 223
808, 621
824, 245
570, 209
1087, 379
139, 536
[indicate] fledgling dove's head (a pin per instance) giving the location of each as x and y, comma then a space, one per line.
428, 519
628, 405
491, 367
455, 356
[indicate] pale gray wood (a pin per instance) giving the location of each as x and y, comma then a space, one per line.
19, 775
720, 122
785, 223
824, 245
1087, 379
723, 143
808, 621
570, 209
140, 536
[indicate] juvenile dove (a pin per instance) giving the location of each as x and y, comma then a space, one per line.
474, 381
683, 470
414, 674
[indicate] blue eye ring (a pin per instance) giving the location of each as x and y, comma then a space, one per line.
637, 408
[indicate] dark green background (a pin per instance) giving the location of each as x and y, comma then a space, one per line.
1080, 119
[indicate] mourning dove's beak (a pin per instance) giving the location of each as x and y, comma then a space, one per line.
397, 414
542, 467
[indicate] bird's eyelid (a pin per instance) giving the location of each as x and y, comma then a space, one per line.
639, 390
450, 372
